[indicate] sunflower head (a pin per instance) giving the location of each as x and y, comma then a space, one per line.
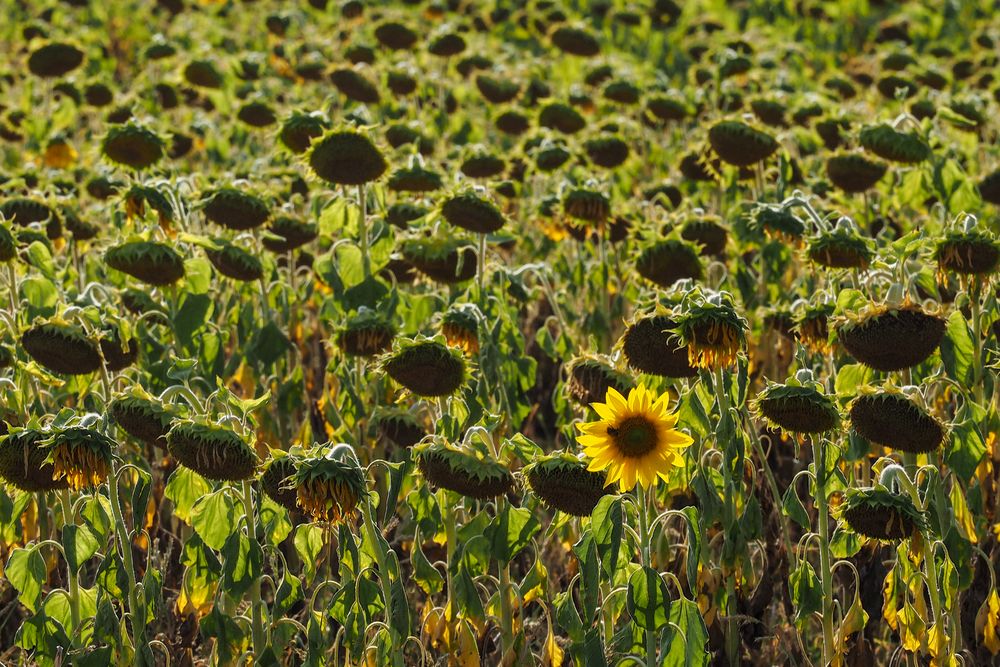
138, 197
635, 439
329, 489
797, 408
879, 514
666, 261
460, 326
277, 481
234, 262
82, 456
286, 233
739, 144
426, 366
813, 327
586, 205
890, 144
300, 129
24, 211
854, 173
23, 462
399, 426
706, 231
591, 376
61, 347
777, 222
366, 334
441, 257
142, 417
472, 212
133, 146
711, 329
415, 178
8, 244
650, 347
464, 470
54, 59
968, 251
562, 481
257, 114
889, 418
842, 248
151, 262
575, 41
235, 209
346, 157
891, 338
213, 451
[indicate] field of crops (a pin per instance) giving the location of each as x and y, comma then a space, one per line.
511, 333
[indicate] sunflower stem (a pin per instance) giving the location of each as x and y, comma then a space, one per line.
645, 533
825, 573
136, 607
977, 341
14, 303
366, 261
256, 622
451, 539
731, 627
481, 268
383, 579
74, 582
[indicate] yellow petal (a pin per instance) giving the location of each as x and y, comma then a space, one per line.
616, 401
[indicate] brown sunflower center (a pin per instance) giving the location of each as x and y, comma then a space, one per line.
634, 437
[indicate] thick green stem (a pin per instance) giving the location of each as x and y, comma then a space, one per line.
366, 261
256, 621
977, 340
74, 581
451, 539
646, 550
825, 572
136, 606
383, 578
14, 301
481, 268
506, 610
731, 626
775, 492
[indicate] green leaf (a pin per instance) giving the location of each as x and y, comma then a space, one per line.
425, 574
647, 599
806, 591
80, 544
242, 565
197, 275
606, 524
274, 518
511, 531
687, 649
967, 444
844, 542
214, 518
26, 572
793, 508
850, 378
309, 543
268, 344
38, 256
184, 488
958, 351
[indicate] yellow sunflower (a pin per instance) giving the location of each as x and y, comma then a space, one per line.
635, 439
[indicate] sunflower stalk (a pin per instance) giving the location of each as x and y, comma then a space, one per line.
646, 534
256, 606
826, 574
383, 578
74, 581
366, 260
731, 626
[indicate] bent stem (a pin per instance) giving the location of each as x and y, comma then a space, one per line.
366, 261
136, 606
645, 532
256, 622
826, 576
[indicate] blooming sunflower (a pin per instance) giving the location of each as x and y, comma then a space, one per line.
635, 439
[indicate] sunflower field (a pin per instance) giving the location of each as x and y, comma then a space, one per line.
459, 333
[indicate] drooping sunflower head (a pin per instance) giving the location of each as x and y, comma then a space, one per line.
8, 244
879, 514
142, 417
25, 211
666, 261
233, 261
969, 251
54, 59
706, 231
813, 327
80, 455
777, 222
587, 205
711, 329
366, 334
442, 257
133, 146
61, 347
415, 178
426, 366
460, 326
891, 337
212, 450
346, 157
650, 347
842, 248
235, 209
739, 144
797, 408
286, 233
889, 418
890, 144
635, 439
590, 377
151, 262
462, 469
473, 212
277, 480
300, 129
562, 481
23, 462
853, 172
328, 488
399, 426
138, 196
